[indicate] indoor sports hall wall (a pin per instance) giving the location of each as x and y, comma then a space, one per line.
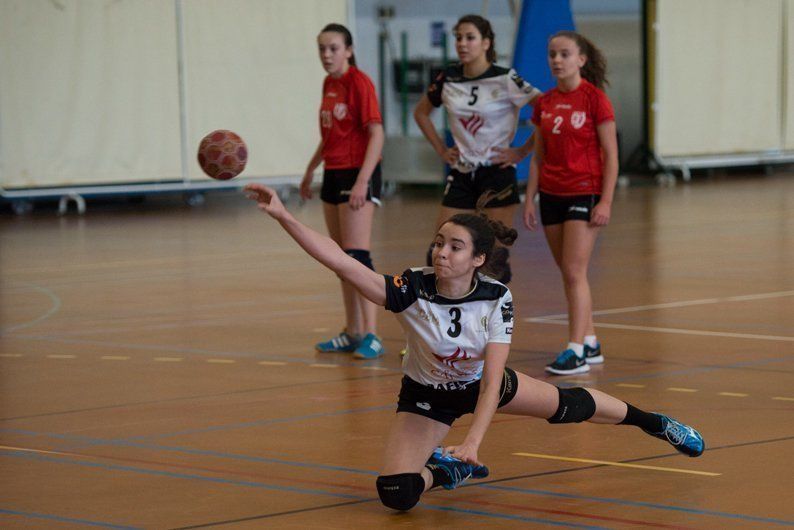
721, 76
90, 94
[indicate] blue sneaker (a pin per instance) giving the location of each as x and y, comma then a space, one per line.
370, 347
458, 471
438, 457
593, 355
568, 363
683, 437
342, 343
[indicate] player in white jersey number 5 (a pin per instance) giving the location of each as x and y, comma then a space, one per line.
458, 324
482, 101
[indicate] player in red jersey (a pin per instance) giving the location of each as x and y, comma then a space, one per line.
575, 168
350, 147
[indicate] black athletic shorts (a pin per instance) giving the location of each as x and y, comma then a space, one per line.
556, 209
448, 405
337, 184
463, 189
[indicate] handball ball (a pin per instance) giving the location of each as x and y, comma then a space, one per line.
222, 154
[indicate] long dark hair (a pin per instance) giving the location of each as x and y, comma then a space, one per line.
595, 68
342, 30
485, 232
486, 31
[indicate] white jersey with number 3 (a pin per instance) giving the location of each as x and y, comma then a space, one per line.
447, 336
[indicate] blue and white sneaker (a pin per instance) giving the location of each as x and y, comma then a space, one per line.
457, 470
370, 347
568, 363
593, 355
438, 457
342, 343
683, 437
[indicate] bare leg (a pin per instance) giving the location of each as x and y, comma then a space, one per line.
335, 233
356, 233
577, 246
412, 439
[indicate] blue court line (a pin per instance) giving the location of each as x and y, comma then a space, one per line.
374, 473
66, 519
262, 485
187, 450
637, 504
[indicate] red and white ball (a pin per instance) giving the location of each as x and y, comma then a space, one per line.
222, 154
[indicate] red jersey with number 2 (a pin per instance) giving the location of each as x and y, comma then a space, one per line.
572, 159
349, 105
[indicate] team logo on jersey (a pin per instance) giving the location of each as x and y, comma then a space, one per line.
509, 330
459, 355
520, 83
507, 312
401, 282
578, 118
428, 316
340, 111
484, 322
473, 123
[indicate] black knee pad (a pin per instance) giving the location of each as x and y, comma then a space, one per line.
400, 492
576, 405
361, 256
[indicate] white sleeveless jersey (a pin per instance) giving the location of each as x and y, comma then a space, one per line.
447, 337
483, 111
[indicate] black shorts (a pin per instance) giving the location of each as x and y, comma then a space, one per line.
448, 405
556, 209
337, 184
463, 189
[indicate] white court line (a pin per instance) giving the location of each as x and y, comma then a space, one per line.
668, 305
56, 305
670, 330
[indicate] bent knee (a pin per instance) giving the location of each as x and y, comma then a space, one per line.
400, 492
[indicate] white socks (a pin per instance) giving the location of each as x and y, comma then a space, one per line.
577, 348
591, 341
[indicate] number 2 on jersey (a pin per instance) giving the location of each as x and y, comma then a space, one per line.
454, 329
557, 122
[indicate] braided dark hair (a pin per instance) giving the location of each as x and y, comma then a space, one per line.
595, 68
485, 232
348, 38
486, 32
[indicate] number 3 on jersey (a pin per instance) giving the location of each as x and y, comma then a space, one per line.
454, 329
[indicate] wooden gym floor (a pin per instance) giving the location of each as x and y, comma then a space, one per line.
157, 370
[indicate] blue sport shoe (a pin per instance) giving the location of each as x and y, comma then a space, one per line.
568, 363
593, 355
457, 471
342, 343
370, 347
683, 437
439, 457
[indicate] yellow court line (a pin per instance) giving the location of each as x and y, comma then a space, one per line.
168, 359
781, 398
732, 394
58, 356
618, 464
630, 385
272, 363
221, 361
114, 358
680, 389
320, 365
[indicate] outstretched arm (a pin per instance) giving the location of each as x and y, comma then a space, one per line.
368, 282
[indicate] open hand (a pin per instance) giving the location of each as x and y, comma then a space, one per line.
266, 198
